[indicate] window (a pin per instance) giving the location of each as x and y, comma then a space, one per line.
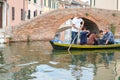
35, 1
56, 5
13, 13
28, 14
1, 15
90, 2
0, 4
94, 2
22, 14
40, 12
53, 5
44, 2
35, 13
117, 5
49, 4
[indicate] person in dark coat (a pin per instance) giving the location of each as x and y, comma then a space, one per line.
83, 36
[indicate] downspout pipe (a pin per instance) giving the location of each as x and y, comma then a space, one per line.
117, 5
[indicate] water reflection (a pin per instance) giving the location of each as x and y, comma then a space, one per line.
17, 56
98, 61
94, 61
107, 58
1, 58
37, 61
2, 65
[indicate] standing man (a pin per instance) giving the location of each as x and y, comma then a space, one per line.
77, 24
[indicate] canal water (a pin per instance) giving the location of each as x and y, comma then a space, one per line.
38, 61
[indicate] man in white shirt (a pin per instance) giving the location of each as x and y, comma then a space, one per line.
77, 24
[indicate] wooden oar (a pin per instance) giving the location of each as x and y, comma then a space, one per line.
76, 35
73, 40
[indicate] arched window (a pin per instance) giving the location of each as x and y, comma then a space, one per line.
29, 12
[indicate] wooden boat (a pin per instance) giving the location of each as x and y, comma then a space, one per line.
60, 46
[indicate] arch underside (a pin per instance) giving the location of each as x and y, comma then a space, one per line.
90, 25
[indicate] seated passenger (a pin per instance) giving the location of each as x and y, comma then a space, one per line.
108, 37
56, 39
83, 36
92, 39
99, 37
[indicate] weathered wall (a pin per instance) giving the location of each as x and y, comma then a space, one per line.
45, 26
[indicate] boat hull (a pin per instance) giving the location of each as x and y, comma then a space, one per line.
59, 46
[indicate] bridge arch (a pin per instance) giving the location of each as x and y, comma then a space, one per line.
45, 26
90, 25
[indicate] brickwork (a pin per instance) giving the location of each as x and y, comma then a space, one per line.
46, 25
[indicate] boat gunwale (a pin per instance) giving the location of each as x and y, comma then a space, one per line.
87, 46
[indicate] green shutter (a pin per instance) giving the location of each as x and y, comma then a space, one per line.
49, 3
35, 1
44, 2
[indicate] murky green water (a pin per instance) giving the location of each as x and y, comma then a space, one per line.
37, 61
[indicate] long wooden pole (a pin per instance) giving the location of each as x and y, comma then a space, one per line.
73, 40
76, 36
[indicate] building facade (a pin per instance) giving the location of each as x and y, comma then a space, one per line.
106, 4
12, 12
17, 10
37, 7
73, 4
34, 8
50, 5
3, 15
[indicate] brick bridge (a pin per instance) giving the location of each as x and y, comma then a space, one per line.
46, 25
